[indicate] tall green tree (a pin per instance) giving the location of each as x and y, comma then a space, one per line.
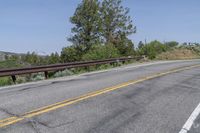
116, 24
87, 25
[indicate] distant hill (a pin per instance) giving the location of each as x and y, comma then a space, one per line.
4, 54
21, 60
8, 54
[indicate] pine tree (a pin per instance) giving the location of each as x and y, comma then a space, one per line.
87, 25
116, 24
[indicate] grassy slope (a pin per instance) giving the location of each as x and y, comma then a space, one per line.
178, 53
5, 65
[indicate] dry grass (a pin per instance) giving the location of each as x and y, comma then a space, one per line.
178, 54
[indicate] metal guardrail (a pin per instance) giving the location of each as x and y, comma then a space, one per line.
57, 67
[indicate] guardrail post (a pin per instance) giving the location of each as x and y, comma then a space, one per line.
46, 74
14, 78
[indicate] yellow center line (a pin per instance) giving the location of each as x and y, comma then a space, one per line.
12, 120
7, 119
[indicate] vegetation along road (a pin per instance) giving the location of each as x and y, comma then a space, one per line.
156, 97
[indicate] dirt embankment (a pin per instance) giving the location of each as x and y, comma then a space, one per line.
178, 54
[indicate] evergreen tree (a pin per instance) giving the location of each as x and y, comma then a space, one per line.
87, 25
140, 44
116, 24
54, 58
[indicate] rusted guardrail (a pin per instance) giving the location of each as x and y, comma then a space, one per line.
57, 67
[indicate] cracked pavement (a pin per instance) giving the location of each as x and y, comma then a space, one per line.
160, 105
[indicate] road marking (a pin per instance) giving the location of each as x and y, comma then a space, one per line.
135, 65
15, 119
187, 126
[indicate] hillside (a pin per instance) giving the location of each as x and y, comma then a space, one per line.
179, 54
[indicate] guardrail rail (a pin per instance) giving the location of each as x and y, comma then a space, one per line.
60, 67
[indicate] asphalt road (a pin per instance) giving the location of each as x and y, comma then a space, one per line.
161, 104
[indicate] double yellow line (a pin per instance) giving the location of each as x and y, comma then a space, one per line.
12, 120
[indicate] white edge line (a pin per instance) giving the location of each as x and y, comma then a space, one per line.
187, 126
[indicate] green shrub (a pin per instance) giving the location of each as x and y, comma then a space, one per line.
10, 64
105, 66
70, 54
172, 44
63, 73
152, 49
21, 79
5, 81
38, 76
99, 52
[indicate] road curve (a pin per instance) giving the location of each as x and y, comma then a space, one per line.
147, 98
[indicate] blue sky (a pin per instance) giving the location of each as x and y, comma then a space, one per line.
43, 25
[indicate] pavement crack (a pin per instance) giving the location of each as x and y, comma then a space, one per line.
55, 126
34, 125
9, 113
35, 121
34, 87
